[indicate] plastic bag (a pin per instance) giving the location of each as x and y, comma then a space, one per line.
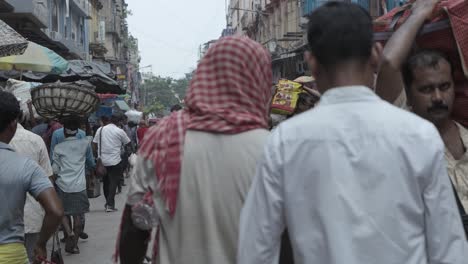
22, 91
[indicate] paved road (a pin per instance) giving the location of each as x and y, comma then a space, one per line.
102, 229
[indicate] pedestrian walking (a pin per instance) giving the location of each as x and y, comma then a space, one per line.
52, 127
69, 161
200, 160
142, 130
21, 175
58, 137
32, 146
423, 82
355, 180
109, 140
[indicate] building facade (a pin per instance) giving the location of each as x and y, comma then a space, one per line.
80, 30
61, 25
280, 25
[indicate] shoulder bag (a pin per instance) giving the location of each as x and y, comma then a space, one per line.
101, 170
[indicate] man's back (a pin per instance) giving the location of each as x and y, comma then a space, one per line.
70, 158
217, 171
111, 141
359, 181
59, 136
18, 176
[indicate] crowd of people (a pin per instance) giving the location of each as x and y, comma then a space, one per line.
377, 172
49, 165
355, 180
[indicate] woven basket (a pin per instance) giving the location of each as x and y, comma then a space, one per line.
60, 100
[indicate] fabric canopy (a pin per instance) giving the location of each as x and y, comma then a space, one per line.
36, 58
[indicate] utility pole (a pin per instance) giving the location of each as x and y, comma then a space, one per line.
146, 89
226, 9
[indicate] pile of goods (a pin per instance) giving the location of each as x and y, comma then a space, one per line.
446, 32
285, 100
58, 100
22, 91
134, 116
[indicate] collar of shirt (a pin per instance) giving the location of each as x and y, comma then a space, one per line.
6, 146
347, 94
71, 138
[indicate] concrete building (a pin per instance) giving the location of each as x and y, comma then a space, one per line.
80, 29
281, 25
97, 31
204, 48
61, 25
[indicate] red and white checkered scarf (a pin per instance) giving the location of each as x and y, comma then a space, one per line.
229, 94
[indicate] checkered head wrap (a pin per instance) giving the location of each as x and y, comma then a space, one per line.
229, 94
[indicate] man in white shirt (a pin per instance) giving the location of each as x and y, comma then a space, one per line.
32, 146
110, 139
355, 180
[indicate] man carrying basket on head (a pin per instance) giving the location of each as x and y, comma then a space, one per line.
69, 161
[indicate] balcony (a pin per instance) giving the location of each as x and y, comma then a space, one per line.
74, 49
34, 10
82, 6
113, 27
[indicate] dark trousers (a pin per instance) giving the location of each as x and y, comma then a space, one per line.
110, 183
286, 252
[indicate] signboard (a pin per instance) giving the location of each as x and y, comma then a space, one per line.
102, 32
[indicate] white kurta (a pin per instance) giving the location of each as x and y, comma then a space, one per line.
32, 146
217, 171
355, 180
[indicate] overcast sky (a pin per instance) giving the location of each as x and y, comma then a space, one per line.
170, 31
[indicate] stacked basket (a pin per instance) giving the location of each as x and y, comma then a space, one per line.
58, 100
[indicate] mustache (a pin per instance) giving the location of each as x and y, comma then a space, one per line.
438, 106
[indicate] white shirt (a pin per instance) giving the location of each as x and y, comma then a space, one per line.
32, 146
113, 138
356, 181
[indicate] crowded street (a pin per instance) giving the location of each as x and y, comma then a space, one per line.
234, 132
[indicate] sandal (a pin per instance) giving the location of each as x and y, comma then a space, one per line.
70, 245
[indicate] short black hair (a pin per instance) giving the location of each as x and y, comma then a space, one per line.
9, 110
72, 122
116, 118
105, 119
421, 59
176, 108
340, 32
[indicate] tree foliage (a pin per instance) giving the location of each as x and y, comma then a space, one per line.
163, 92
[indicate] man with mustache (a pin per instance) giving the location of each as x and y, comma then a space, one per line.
427, 77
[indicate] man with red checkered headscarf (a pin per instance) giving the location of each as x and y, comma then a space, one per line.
198, 163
